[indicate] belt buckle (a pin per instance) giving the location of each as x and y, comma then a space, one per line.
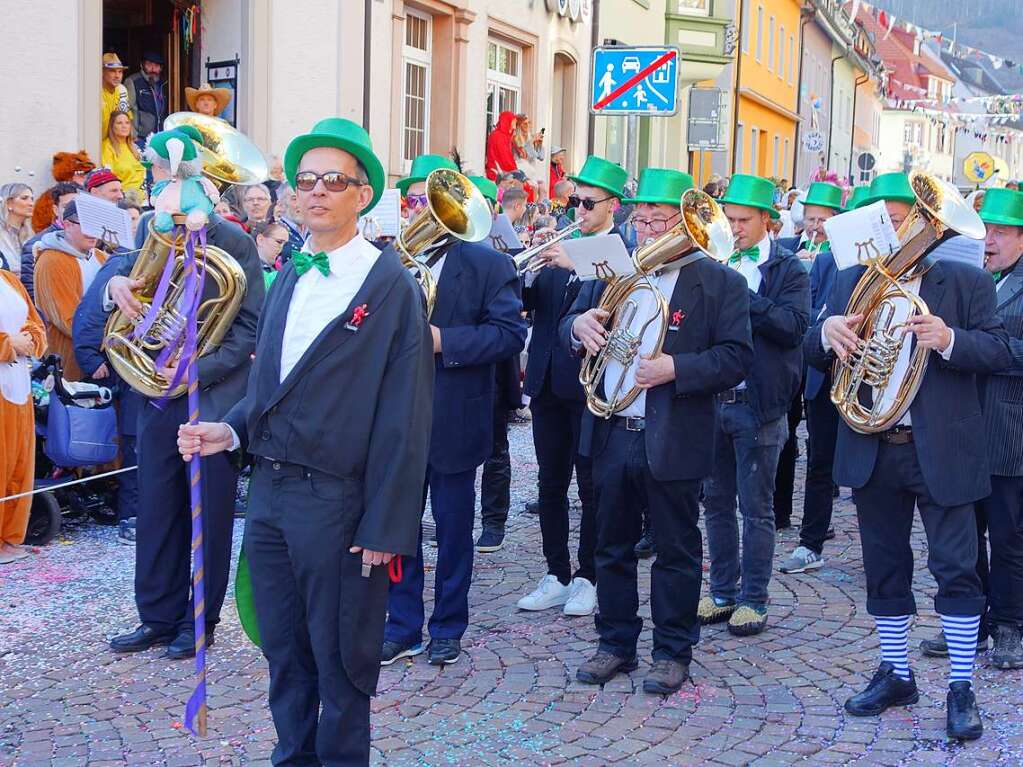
634, 423
727, 397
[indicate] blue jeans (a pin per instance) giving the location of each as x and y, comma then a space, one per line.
745, 462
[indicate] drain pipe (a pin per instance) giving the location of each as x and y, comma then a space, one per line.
591, 126
367, 30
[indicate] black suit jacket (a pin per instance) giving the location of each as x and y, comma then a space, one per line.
712, 351
549, 297
948, 426
479, 314
1002, 394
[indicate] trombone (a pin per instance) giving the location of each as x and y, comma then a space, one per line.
528, 261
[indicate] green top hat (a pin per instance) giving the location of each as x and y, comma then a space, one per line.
344, 135
825, 195
662, 186
890, 186
751, 191
487, 187
422, 167
603, 174
1002, 206
859, 194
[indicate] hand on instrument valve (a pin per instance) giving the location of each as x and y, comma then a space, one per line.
120, 289
931, 331
838, 331
555, 255
654, 371
589, 330
204, 438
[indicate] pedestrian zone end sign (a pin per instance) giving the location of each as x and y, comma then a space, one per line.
635, 80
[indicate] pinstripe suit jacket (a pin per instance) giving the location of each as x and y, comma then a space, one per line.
1003, 393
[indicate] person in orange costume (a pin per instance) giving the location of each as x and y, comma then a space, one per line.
21, 336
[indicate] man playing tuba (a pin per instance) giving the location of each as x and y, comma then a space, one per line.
660, 446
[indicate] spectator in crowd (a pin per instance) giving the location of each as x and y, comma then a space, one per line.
513, 205
270, 238
21, 337
114, 97
67, 166
559, 199
121, 154
207, 100
529, 151
68, 263
59, 196
256, 203
134, 210
500, 147
104, 183
276, 178
291, 217
147, 96
16, 202
557, 170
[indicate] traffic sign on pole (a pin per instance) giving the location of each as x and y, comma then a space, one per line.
635, 81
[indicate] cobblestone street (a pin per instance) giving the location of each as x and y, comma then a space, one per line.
775, 699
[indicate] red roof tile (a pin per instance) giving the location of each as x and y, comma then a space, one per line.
906, 67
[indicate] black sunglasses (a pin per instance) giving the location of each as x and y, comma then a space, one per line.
574, 201
333, 180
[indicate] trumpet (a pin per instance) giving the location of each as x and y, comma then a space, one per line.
528, 261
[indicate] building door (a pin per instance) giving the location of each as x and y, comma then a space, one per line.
562, 129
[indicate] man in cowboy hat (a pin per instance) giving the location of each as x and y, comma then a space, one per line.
752, 427
823, 200
337, 417
639, 461
113, 96
476, 323
207, 100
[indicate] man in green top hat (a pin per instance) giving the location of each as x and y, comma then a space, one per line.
897, 194
859, 194
752, 427
413, 186
337, 417
487, 187
638, 463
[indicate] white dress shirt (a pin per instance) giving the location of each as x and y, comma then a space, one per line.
750, 270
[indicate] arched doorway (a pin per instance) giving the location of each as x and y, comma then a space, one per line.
563, 107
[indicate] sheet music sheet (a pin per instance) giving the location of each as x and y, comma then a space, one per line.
503, 237
102, 218
386, 215
600, 257
860, 234
961, 248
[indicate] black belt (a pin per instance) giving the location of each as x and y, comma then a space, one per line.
899, 435
629, 423
283, 467
733, 396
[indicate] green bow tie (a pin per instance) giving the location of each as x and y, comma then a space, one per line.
997, 276
306, 261
753, 254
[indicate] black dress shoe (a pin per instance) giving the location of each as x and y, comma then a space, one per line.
962, 718
183, 645
604, 666
885, 689
141, 639
645, 548
938, 648
444, 652
666, 677
830, 534
533, 507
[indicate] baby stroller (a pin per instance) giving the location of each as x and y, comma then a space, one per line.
76, 430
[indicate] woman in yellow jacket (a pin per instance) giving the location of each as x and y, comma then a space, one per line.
120, 152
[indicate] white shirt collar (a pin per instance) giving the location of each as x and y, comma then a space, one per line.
342, 258
765, 250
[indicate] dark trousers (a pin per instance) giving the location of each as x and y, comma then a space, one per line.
495, 487
884, 508
556, 423
1001, 513
624, 485
296, 540
453, 502
818, 499
163, 526
128, 482
785, 476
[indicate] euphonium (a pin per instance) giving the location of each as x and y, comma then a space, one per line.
704, 226
455, 210
939, 209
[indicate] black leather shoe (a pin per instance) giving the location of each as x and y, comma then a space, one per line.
604, 666
885, 689
666, 677
1008, 647
962, 718
533, 507
183, 645
645, 548
444, 652
830, 534
937, 648
141, 639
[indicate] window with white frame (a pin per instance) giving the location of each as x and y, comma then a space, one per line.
788, 156
694, 7
792, 57
777, 155
781, 52
745, 25
760, 32
754, 147
415, 108
740, 142
504, 80
770, 45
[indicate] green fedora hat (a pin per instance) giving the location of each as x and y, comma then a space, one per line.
487, 187
751, 191
662, 186
602, 173
341, 134
890, 186
422, 167
824, 195
859, 194
1002, 206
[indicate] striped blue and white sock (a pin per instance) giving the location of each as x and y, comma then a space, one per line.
961, 637
894, 633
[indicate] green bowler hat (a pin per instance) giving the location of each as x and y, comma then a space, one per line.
1002, 206
859, 194
890, 186
487, 187
422, 167
825, 195
601, 173
751, 191
341, 134
662, 186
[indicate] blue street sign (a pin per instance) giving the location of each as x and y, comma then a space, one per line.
640, 80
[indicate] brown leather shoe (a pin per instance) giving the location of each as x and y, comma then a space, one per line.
603, 667
666, 677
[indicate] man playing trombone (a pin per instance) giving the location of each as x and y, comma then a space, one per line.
656, 444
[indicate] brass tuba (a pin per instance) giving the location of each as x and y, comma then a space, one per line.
703, 226
939, 209
229, 158
455, 210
